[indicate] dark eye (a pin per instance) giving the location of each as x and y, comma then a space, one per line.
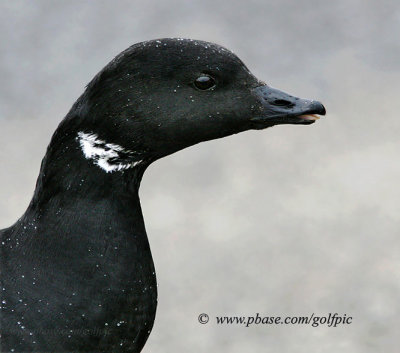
204, 82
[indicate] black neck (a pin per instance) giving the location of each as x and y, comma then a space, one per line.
101, 209
68, 176
84, 233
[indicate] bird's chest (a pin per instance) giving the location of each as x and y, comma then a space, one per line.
107, 299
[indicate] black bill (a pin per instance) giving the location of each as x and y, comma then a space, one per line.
277, 107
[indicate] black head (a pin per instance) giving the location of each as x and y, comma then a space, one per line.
160, 96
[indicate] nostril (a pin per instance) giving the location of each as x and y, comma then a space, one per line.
282, 103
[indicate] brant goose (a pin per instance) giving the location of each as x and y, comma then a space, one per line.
76, 269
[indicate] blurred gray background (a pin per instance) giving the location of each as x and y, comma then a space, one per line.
292, 220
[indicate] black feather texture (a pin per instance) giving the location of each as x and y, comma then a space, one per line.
77, 273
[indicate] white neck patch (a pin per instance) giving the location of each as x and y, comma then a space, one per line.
108, 156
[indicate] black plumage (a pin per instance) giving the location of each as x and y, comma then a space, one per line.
76, 269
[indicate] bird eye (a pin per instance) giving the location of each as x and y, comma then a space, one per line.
204, 82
